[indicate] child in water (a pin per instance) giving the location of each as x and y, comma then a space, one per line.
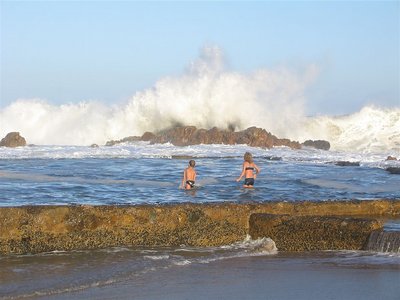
189, 176
248, 169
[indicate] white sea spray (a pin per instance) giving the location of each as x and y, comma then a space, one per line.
208, 94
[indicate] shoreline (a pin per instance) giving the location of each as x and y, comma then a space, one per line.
35, 229
260, 278
319, 275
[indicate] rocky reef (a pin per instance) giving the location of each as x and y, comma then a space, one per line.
347, 163
190, 135
34, 229
393, 170
318, 144
13, 139
391, 158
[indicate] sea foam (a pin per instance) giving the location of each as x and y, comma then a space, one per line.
206, 95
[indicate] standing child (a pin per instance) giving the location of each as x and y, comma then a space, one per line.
249, 170
189, 176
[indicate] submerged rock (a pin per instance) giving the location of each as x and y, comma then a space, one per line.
13, 139
318, 144
347, 163
273, 158
393, 170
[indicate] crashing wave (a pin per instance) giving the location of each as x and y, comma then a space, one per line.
205, 96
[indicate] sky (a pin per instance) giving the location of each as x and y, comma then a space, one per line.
72, 51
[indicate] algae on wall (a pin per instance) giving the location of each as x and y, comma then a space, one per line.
33, 229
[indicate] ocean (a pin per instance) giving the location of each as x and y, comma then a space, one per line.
59, 168
140, 173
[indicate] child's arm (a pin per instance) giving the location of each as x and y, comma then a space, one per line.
241, 175
257, 169
183, 179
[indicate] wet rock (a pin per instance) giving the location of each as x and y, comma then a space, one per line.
391, 158
384, 241
317, 144
190, 135
94, 146
310, 233
112, 143
273, 158
347, 163
148, 136
13, 139
393, 170
33, 229
128, 139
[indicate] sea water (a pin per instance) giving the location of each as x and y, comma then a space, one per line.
237, 271
140, 173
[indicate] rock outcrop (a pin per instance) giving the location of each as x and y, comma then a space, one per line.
13, 139
393, 170
34, 229
391, 158
347, 163
129, 139
318, 144
308, 233
190, 135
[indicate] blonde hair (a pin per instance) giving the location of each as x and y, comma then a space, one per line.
248, 157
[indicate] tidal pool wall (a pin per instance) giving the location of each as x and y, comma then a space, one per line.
34, 229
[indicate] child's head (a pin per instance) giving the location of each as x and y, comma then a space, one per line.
248, 157
192, 163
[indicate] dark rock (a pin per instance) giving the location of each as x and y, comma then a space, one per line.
13, 139
128, 139
185, 157
148, 136
393, 170
391, 158
273, 158
310, 233
112, 143
318, 144
347, 164
94, 146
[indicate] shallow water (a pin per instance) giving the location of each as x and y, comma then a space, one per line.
142, 173
238, 271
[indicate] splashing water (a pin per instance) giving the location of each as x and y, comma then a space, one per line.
206, 95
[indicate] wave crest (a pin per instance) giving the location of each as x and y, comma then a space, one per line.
371, 129
205, 96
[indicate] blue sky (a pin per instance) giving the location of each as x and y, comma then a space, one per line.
86, 50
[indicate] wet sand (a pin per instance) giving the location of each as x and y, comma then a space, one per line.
282, 276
